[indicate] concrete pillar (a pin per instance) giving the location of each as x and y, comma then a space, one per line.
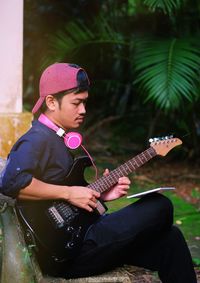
11, 55
13, 122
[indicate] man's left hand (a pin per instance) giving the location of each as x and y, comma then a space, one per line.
117, 191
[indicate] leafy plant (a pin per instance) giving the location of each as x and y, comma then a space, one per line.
125, 71
167, 6
196, 261
76, 35
168, 71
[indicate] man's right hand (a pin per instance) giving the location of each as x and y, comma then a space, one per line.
82, 197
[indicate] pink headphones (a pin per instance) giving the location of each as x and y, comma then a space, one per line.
72, 139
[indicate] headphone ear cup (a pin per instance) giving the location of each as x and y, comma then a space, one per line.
73, 140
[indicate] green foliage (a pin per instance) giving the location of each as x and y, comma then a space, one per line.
195, 194
168, 71
76, 35
196, 261
125, 71
167, 6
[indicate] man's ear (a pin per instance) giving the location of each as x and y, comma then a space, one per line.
50, 102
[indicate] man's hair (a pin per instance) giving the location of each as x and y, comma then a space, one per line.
83, 85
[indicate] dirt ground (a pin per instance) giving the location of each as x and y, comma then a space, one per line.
139, 275
183, 176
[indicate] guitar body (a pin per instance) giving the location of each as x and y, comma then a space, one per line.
57, 226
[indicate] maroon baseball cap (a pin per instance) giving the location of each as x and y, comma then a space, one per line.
57, 78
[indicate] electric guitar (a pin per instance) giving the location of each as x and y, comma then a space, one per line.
59, 227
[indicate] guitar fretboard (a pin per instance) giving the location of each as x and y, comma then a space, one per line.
105, 182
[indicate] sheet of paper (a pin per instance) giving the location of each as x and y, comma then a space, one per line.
138, 195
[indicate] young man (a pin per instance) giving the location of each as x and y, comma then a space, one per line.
140, 234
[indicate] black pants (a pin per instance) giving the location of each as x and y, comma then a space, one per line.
140, 234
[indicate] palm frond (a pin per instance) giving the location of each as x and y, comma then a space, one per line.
76, 35
167, 6
168, 71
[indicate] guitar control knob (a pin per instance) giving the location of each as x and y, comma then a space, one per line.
69, 245
78, 232
70, 229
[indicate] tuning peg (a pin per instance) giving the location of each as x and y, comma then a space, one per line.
152, 140
156, 139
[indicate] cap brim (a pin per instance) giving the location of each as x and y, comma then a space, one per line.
38, 105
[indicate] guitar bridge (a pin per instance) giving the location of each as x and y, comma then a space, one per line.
61, 214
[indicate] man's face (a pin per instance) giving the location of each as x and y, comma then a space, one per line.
70, 113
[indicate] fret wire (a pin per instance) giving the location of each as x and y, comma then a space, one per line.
109, 182
92, 186
144, 156
133, 164
105, 182
120, 169
112, 179
128, 168
100, 183
125, 168
140, 157
98, 187
138, 161
114, 176
101, 189
105, 179
117, 173
148, 154
152, 151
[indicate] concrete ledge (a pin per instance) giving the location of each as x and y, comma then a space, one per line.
115, 276
12, 127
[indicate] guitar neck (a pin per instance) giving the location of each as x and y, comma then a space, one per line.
105, 182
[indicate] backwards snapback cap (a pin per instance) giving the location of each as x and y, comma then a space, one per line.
57, 78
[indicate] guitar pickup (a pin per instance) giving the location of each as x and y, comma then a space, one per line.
61, 214
55, 217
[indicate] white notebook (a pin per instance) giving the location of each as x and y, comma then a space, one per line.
138, 195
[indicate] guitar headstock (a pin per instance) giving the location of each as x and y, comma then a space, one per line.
163, 145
